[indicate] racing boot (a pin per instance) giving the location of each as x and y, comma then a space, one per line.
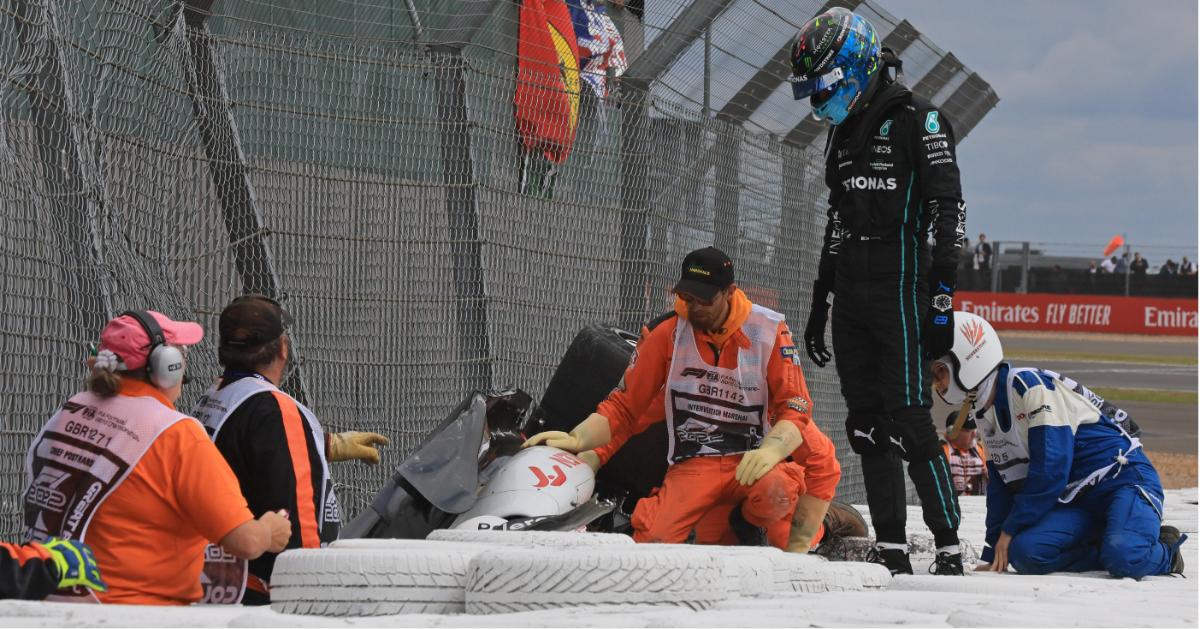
747, 534
947, 564
1171, 536
894, 559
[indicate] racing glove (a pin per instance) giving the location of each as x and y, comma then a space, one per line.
779, 443
75, 564
814, 330
351, 445
938, 333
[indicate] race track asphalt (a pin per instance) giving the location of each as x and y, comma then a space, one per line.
1166, 427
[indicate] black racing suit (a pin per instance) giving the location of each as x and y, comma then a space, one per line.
892, 177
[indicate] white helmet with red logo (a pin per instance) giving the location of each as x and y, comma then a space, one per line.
976, 352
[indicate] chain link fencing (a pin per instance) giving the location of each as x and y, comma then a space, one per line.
153, 157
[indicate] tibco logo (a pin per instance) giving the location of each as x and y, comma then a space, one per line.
869, 183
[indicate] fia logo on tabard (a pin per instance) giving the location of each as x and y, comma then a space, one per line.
885, 128
931, 122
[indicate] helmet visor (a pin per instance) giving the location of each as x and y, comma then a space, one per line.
803, 88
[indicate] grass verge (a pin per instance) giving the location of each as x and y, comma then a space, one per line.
1146, 395
1034, 354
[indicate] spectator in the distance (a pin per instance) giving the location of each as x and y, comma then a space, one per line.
1139, 266
1186, 267
1168, 268
983, 263
1123, 264
1109, 265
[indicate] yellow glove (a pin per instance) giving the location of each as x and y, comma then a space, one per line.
350, 445
555, 439
591, 458
591, 433
783, 438
76, 564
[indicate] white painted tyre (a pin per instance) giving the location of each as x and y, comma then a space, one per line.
557, 539
752, 570
515, 580
396, 544
812, 573
404, 578
860, 575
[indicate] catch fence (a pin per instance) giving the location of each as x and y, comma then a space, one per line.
364, 168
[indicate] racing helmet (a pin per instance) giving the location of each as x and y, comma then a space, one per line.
835, 60
976, 352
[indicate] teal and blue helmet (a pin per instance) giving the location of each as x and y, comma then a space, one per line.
835, 58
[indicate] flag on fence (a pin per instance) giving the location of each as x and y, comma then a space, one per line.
1113, 245
600, 45
547, 97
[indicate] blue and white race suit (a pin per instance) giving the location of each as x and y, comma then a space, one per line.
1070, 485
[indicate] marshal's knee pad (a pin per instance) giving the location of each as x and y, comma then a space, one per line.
913, 434
867, 433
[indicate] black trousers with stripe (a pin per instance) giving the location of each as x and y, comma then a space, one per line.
885, 381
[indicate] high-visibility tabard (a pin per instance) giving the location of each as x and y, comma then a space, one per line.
714, 411
81, 455
225, 577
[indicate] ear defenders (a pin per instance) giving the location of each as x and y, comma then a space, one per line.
165, 364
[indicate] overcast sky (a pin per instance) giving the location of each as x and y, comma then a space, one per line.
1096, 130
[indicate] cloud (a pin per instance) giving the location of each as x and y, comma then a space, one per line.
1095, 133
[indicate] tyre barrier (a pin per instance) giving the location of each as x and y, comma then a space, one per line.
514, 580
414, 578
557, 539
489, 572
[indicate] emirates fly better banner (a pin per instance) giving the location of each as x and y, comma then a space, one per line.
1082, 313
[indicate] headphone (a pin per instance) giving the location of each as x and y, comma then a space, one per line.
164, 365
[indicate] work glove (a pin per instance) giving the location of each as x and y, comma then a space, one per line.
351, 445
591, 433
75, 564
938, 333
814, 330
555, 439
591, 458
756, 463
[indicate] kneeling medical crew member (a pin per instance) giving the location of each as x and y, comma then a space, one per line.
1069, 490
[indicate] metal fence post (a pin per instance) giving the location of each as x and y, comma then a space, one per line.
63, 167
1024, 267
228, 169
1128, 270
462, 213
635, 199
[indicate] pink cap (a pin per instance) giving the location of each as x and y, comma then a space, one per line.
125, 337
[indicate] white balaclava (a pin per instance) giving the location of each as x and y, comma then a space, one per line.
955, 395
